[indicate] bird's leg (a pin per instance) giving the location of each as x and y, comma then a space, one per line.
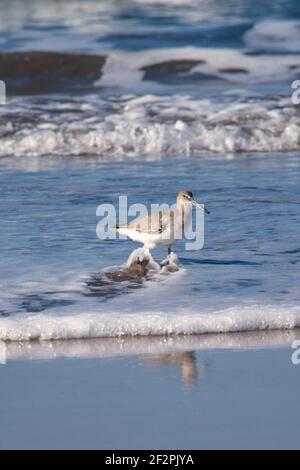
166, 261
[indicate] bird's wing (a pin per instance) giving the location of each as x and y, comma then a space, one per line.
151, 223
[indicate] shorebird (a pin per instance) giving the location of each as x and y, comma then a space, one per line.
163, 227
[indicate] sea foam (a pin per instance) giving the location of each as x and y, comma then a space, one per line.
147, 323
154, 127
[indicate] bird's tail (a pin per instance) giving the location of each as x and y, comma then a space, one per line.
120, 226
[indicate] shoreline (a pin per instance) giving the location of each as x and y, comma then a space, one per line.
133, 345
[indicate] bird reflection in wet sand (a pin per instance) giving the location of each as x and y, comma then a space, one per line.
185, 360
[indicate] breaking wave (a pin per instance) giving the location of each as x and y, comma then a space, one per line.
150, 126
116, 324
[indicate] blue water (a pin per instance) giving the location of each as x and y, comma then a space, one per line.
135, 25
191, 96
249, 263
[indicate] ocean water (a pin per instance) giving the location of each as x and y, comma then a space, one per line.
188, 95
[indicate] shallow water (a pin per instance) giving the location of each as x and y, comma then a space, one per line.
245, 277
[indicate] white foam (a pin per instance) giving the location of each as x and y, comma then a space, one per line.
274, 35
152, 127
156, 124
116, 324
213, 62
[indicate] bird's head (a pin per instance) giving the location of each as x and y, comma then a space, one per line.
187, 198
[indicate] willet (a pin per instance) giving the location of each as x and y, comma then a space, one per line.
162, 228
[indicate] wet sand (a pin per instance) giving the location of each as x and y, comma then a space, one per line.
230, 391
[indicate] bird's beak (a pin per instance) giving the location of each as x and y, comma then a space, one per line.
200, 206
